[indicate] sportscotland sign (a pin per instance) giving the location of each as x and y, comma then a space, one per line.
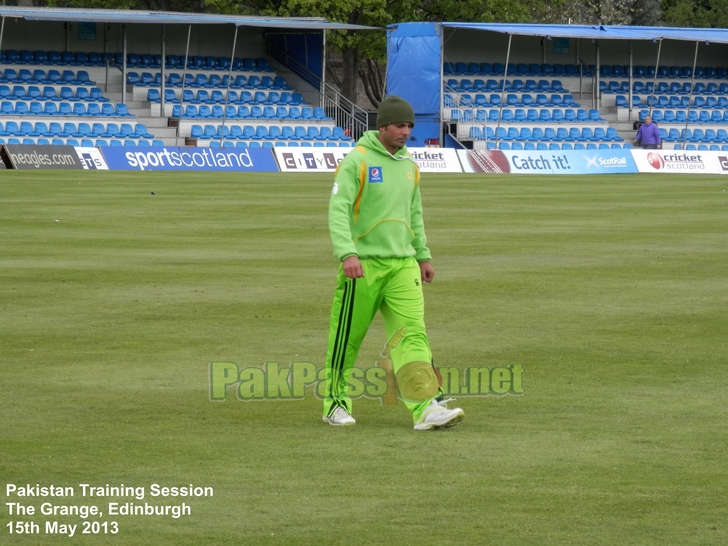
170, 158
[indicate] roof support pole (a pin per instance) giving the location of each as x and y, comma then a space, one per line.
442, 81
596, 92
227, 92
323, 66
2, 31
654, 80
581, 69
631, 78
184, 79
106, 59
123, 65
162, 84
503, 89
690, 97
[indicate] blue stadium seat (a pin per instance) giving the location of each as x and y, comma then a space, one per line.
274, 132
26, 128
537, 134
36, 109
83, 131
18, 93
97, 95
140, 130
122, 110
21, 108
562, 134
153, 95
239, 82
127, 131
320, 114
698, 136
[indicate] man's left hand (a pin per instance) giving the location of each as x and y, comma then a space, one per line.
427, 272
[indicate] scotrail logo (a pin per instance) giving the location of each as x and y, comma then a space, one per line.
599, 163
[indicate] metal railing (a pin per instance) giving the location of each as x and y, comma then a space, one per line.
347, 115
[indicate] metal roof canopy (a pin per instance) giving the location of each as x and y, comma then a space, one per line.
602, 32
170, 18
593, 33
125, 17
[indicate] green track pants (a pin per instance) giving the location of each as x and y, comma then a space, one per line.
394, 287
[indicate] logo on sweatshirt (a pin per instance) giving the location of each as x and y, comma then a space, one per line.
375, 174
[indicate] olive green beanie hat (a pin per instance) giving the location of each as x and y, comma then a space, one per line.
394, 109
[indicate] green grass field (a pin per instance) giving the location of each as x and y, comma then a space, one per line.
610, 291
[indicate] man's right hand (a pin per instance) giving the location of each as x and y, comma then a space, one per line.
352, 267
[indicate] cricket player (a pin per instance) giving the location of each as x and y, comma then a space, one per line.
378, 234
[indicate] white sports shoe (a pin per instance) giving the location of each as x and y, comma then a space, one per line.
436, 415
339, 418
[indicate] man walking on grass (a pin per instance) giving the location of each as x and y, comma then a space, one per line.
378, 234
648, 135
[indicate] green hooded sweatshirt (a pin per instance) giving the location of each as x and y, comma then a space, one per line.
375, 209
